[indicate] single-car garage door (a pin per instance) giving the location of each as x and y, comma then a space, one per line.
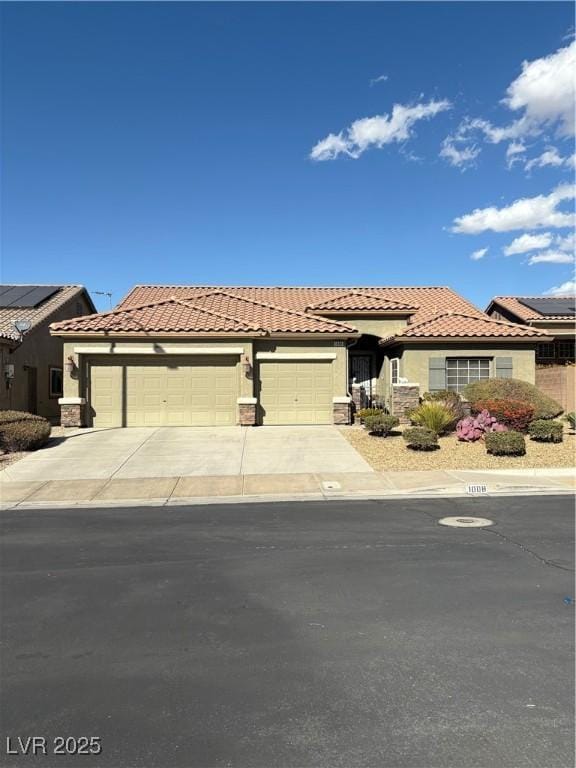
296, 392
187, 391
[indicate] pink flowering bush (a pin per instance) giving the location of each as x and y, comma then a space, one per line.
475, 427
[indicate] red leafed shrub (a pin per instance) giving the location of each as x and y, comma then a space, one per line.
513, 413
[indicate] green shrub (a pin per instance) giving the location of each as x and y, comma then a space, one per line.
435, 416
571, 419
363, 413
505, 443
448, 398
7, 417
513, 389
420, 438
546, 431
21, 431
380, 424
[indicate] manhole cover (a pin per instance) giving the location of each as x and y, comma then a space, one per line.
466, 522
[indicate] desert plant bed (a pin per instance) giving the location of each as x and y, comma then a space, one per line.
392, 454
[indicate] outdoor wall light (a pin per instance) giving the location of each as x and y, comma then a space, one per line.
70, 365
247, 365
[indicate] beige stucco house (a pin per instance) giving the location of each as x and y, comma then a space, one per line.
192, 355
31, 359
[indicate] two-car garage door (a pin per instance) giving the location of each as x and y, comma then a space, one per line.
190, 391
203, 391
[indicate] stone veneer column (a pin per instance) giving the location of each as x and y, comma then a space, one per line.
72, 411
404, 398
247, 411
358, 396
342, 410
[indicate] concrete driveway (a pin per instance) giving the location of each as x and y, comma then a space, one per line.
189, 451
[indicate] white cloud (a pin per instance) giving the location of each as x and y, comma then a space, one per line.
545, 90
551, 257
550, 157
543, 94
513, 152
527, 242
459, 158
376, 131
379, 79
566, 288
567, 243
479, 254
330, 147
526, 213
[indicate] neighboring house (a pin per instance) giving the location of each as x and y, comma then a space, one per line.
31, 358
555, 356
192, 355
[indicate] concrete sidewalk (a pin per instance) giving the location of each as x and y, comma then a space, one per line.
285, 486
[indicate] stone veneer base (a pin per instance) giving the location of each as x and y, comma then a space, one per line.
72, 415
405, 397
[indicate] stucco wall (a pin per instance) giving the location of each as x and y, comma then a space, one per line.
414, 362
38, 350
377, 326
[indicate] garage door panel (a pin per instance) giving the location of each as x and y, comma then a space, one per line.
296, 392
187, 392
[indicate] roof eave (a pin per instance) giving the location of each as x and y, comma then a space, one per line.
461, 339
200, 335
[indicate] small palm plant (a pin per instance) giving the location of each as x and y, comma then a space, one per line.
571, 419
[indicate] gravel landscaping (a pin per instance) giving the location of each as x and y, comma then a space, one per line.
390, 453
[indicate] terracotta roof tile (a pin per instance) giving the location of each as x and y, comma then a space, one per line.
513, 304
430, 300
357, 300
454, 325
436, 312
211, 311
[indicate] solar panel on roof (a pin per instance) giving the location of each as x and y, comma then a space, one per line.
25, 296
550, 306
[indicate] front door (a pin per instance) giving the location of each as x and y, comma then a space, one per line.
361, 373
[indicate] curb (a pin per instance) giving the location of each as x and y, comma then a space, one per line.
421, 493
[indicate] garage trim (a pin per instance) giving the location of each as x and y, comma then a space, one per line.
272, 356
184, 350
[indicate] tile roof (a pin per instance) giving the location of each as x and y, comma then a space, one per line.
429, 300
357, 300
210, 311
513, 304
460, 326
255, 310
36, 315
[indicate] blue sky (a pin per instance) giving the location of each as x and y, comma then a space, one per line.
227, 144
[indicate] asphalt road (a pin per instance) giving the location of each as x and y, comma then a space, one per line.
344, 634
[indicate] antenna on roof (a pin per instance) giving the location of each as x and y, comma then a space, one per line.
105, 293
